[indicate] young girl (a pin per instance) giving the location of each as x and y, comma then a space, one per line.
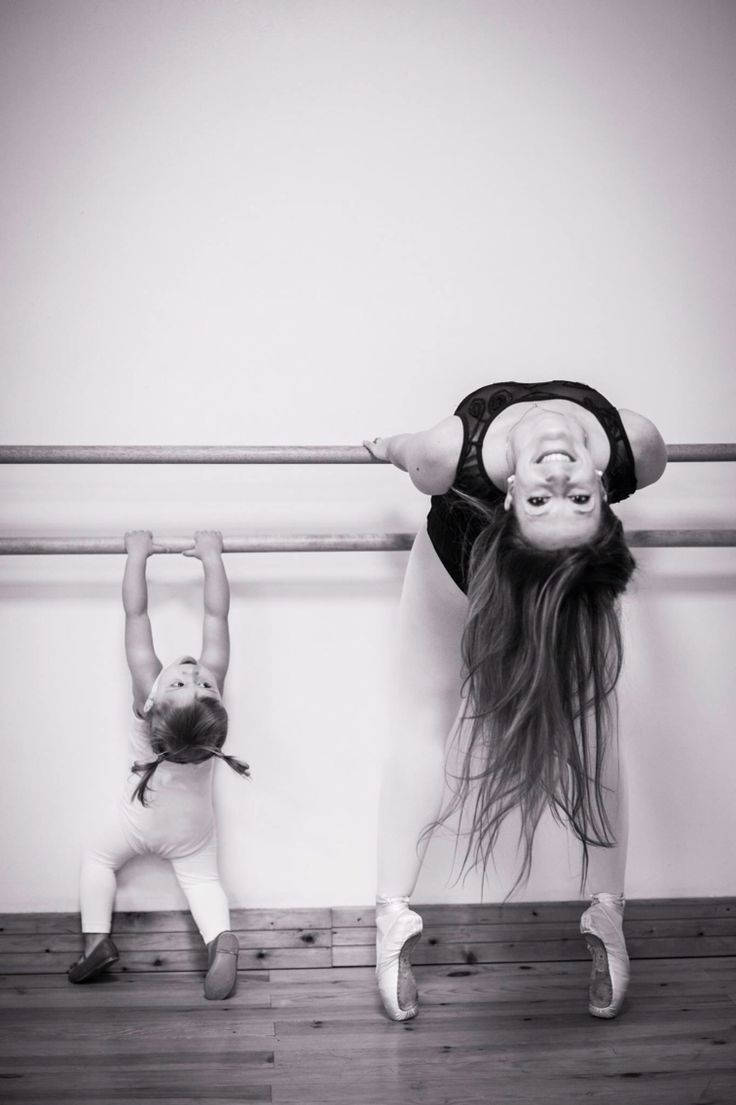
179, 725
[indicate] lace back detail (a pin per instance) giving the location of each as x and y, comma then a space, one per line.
478, 410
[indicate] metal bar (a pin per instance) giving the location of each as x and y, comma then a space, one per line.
325, 542
681, 538
258, 454
186, 454
709, 451
322, 542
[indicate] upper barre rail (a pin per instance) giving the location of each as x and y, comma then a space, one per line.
330, 542
258, 454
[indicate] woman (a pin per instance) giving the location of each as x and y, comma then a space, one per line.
508, 635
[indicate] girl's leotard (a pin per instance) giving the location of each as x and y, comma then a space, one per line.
452, 524
178, 817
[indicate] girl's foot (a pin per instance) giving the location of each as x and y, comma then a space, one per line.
222, 974
602, 927
91, 964
398, 929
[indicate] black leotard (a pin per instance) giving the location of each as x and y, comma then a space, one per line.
452, 525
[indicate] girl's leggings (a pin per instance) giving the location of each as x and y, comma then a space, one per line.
196, 873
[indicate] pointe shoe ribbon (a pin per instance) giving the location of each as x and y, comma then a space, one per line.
602, 927
397, 932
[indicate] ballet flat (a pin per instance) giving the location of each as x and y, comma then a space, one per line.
394, 975
602, 927
222, 974
89, 966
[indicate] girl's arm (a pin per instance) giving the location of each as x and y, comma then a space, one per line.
143, 663
215, 632
430, 457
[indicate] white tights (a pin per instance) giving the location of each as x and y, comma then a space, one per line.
197, 875
425, 703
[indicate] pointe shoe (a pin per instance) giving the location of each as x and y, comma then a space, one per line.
89, 966
397, 932
222, 974
602, 927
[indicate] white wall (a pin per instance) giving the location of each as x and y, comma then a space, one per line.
300, 223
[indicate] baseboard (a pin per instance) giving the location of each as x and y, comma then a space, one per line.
517, 932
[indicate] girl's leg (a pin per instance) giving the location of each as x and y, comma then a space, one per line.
199, 878
97, 883
425, 699
97, 894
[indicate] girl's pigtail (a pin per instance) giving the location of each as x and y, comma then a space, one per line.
235, 764
146, 771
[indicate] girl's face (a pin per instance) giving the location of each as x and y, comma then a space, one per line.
184, 681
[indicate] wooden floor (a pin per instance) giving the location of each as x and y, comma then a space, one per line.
494, 1033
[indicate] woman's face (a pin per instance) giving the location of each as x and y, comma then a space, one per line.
555, 491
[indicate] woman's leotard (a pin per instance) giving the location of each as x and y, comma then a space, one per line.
452, 524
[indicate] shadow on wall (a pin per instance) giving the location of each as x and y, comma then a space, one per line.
298, 589
189, 592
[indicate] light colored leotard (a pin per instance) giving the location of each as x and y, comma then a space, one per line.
178, 817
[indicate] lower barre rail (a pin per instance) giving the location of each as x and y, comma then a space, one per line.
329, 542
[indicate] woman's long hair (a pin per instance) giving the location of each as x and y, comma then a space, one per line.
542, 650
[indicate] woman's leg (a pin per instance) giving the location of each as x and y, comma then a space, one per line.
602, 922
425, 699
607, 866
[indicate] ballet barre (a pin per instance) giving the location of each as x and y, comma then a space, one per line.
330, 542
259, 454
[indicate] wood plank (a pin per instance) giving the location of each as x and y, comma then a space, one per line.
414, 1087
169, 921
524, 1051
560, 987
172, 1078
47, 1092
33, 1036
256, 1094
458, 934
666, 972
531, 912
23, 963
11, 943
502, 1028
54, 981
177, 992
246, 919
531, 951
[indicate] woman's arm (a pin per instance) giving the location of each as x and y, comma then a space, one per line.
647, 445
143, 663
215, 631
430, 457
